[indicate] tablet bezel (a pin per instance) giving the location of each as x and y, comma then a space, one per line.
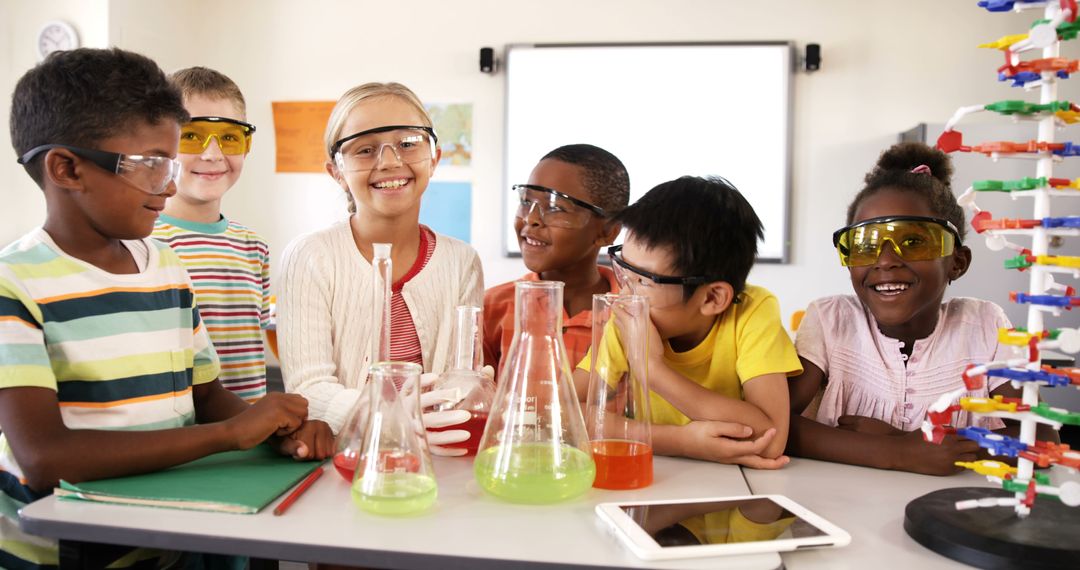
645, 547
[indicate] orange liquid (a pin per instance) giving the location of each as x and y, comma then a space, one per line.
388, 463
622, 464
271, 339
475, 426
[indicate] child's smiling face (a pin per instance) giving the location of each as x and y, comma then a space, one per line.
904, 296
207, 176
546, 248
116, 208
392, 188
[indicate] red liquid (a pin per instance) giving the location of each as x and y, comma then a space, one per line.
346, 464
622, 464
475, 426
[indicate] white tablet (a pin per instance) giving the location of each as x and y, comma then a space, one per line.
693, 528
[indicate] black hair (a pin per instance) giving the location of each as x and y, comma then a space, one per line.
81, 96
706, 224
604, 175
894, 171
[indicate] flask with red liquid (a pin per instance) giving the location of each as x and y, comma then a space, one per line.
617, 414
351, 437
465, 377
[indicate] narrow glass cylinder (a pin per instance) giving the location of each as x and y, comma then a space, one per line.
474, 390
617, 413
351, 436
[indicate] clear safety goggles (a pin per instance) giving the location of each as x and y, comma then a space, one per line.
362, 151
150, 174
233, 137
913, 238
555, 209
661, 290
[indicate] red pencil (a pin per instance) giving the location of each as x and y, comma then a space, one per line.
303, 486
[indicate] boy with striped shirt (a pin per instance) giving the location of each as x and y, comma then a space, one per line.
229, 264
105, 364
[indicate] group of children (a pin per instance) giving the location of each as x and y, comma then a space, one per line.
123, 354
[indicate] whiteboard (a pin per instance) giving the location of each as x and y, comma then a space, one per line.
666, 110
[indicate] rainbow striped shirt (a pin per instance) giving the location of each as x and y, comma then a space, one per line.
121, 351
230, 269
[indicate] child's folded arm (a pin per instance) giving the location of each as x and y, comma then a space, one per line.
803, 388
700, 403
722, 442
769, 393
47, 450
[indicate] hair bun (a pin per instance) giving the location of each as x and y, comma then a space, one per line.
908, 155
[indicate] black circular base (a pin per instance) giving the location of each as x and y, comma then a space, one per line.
994, 537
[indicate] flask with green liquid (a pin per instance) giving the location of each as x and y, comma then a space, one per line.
535, 448
394, 474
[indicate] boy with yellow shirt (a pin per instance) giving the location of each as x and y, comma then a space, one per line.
719, 356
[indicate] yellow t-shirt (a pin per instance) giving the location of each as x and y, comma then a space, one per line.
746, 341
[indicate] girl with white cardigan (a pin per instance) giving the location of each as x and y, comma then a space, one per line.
382, 151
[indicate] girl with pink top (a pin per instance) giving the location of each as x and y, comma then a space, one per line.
886, 353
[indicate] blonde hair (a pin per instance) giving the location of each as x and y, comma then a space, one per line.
354, 97
209, 83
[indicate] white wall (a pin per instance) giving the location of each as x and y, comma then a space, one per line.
887, 66
22, 206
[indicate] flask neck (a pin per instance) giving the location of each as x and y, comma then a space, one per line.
468, 351
538, 308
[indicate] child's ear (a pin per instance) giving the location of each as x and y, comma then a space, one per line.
608, 234
332, 170
61, 169
961, 261
718, 296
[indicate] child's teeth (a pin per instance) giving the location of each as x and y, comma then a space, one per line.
391, 184
890, 287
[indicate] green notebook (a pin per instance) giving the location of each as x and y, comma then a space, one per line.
230, 482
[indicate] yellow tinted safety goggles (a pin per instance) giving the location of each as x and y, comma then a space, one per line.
232, 136
913, 238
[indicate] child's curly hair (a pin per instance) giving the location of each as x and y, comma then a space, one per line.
894, 170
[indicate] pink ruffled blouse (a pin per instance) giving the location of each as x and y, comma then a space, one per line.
867, 375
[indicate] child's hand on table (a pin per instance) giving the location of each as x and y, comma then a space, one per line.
273, 414
313, 441
920, 456
863, 424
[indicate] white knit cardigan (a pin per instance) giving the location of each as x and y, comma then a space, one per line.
325, 320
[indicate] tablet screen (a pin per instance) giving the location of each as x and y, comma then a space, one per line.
719, 522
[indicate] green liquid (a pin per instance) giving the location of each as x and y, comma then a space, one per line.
531, 473
396, 494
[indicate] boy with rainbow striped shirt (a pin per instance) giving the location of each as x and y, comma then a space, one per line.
229, 264
105, 364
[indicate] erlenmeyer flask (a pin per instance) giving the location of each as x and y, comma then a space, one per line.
535, 448
394, 476
465, 377
351, 437
617, 412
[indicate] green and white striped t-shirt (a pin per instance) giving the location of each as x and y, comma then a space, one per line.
122, 352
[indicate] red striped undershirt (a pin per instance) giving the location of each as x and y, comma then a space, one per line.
404, 342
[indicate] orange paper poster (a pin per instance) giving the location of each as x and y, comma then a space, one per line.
298, 129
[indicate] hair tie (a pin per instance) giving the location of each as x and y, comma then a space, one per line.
922, 169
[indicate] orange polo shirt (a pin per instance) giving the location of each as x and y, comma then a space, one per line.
499, 323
